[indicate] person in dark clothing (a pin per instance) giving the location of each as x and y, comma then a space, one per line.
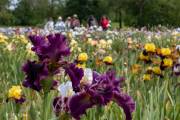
92, 22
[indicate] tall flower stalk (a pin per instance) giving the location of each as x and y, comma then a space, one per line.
39, 74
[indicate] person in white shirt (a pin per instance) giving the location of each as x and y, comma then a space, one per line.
60, 25
49, 26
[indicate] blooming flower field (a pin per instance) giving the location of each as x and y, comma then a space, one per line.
80, 75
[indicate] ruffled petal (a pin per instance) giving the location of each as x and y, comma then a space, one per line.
79, 103
75, 75
126, 102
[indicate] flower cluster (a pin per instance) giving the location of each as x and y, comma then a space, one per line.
20, 38
160, 60
102, 49
14, 43
3, 38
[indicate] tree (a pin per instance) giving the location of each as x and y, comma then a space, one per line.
3, 4
84, 8
24, 12
118, 7
6, 16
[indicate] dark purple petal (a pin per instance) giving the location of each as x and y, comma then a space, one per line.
57, 47
126, 102
75, 75
35, 72
104, 86
20, 101
66, 104
96, 98
37, 40
79, 103
52, 47
57, 105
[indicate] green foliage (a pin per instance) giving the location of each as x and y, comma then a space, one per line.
6, 18
84, 8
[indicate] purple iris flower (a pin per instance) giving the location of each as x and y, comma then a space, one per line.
75, 75
52, 47
105, 88
35, 72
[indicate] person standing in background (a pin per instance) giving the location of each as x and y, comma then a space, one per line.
68, 23
92, 22
75, 22
60, 25
49, 26
105, 23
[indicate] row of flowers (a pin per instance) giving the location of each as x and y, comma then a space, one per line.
158, 61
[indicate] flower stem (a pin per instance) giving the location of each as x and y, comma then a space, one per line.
45, 100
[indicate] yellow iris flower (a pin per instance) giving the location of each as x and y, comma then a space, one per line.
165, 51
108, 59
83, 57
150, 47
167, 62
15, 92
146, 77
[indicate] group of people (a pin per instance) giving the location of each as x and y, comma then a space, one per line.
74, 22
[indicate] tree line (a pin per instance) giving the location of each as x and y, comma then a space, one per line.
136, 13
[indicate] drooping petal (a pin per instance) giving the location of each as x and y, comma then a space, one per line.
79, 103
126, 102
96, 98
35, 72
75, 75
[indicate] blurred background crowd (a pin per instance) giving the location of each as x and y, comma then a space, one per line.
122, 13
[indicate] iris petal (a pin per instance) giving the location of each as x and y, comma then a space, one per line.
126, 102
